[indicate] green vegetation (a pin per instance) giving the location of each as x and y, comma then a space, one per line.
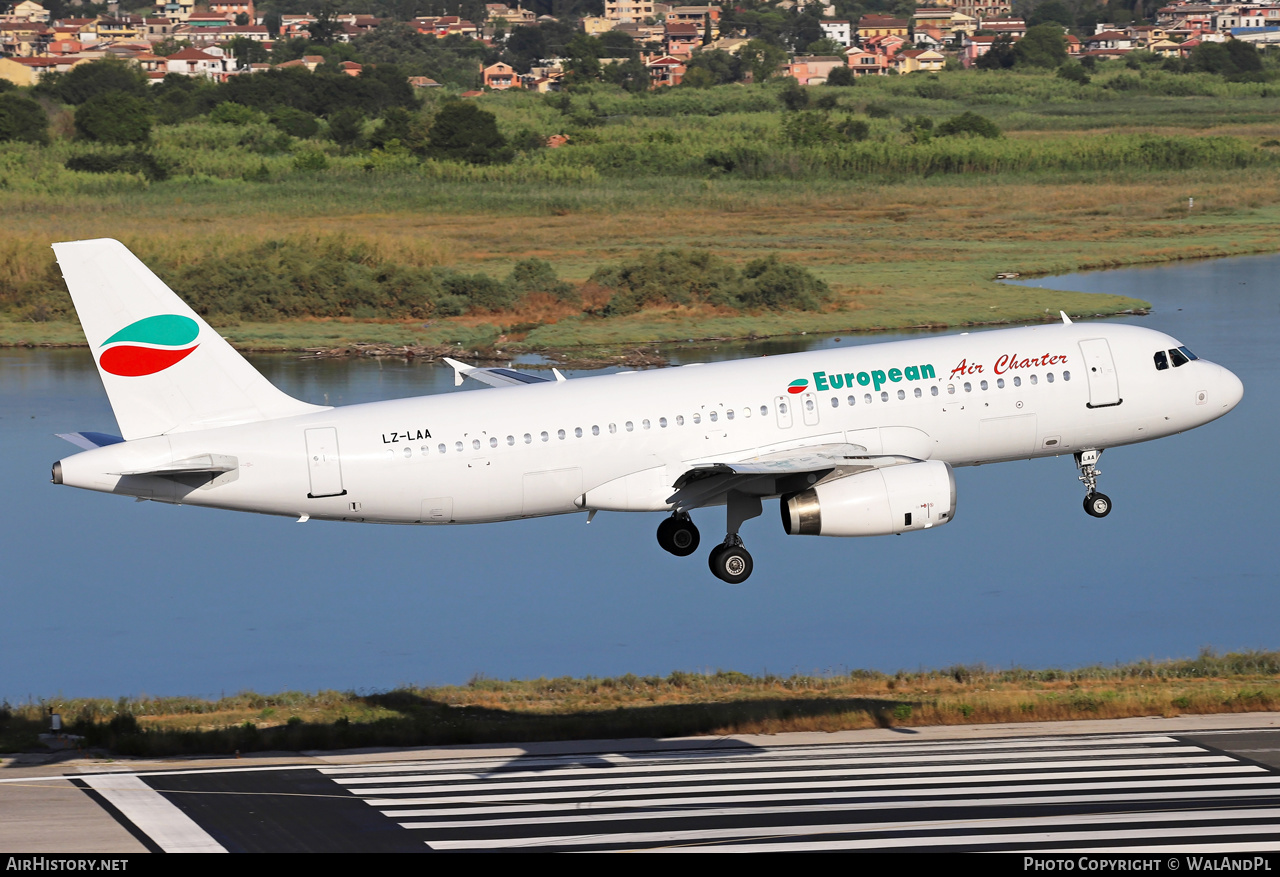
901, 197
680, 704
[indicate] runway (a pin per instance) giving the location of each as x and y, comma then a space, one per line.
1164, 792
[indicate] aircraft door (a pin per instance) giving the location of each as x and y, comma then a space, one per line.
782, 407
323, 462
1104, 384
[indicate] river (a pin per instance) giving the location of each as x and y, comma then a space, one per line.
105, 597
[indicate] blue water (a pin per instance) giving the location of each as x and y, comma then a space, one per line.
103, 596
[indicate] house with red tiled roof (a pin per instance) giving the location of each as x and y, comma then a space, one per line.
681, 38
867, 63
813, 69
500, 77
209, 63
664, 70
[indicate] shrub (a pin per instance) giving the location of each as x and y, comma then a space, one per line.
22, 119
232, 113
135, 161
464, 132
294, 122
310, 160
114, 117
534, 275
770, 284
969, 124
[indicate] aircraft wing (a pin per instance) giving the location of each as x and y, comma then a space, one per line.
707, 483
496, 377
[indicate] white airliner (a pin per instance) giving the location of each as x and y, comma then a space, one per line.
856, 441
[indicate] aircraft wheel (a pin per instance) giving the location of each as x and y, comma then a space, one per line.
1098, 505
730, 563
678, 536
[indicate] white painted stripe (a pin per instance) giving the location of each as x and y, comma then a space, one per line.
1009, 769
1015, 843
171, 829
1109, 792
1225, 774
1193, 753
970, 825
488, 764
674, 811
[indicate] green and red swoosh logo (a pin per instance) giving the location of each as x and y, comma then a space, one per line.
797, 387
150, 345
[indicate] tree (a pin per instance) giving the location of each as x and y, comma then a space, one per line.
841, 76
969, 124
761, 59
21, 118
346, 127
1043, 46
85, 81
1000, 56
1051, 11
464, 132
326, 28
114, 117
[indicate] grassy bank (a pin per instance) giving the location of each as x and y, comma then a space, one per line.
908, 230
681, 704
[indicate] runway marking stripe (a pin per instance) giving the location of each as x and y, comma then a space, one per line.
171, 829
997, 840
1012, 770
1225, 774
955, 786
488, 764
1035, 824
840, 763
663, 810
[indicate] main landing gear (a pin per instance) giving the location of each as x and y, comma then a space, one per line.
678, 535
729, 561
1096, 504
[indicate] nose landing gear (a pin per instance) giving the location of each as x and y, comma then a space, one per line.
1096, 504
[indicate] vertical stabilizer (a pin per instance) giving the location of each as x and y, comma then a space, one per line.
164, 368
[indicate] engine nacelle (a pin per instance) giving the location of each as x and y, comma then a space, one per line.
880, 502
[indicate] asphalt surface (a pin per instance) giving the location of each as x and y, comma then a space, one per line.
1194, 782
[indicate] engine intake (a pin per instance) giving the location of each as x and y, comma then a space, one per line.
880, 502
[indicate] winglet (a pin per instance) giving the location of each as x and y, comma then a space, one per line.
556, 372
1066, 321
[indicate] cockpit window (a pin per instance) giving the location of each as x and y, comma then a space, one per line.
1187, 353
1176, 357
1162, 361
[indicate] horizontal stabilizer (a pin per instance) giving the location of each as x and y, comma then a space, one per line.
211, 464
89, 440
495, 377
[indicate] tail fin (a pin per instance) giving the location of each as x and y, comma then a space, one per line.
164, 368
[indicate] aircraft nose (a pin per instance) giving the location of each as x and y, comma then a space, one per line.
1232, 390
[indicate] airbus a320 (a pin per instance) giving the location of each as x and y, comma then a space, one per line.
857, 441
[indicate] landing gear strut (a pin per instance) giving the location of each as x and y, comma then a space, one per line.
729, 561
678, 535
1096, 504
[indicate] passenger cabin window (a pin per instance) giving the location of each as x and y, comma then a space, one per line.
1017, 382
1066, 376
1162, 360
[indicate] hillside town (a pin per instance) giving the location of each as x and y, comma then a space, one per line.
220, 40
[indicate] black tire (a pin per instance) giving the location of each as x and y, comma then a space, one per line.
730, 563
678, 536
1097, 505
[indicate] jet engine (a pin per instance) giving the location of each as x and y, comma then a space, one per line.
879, 502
